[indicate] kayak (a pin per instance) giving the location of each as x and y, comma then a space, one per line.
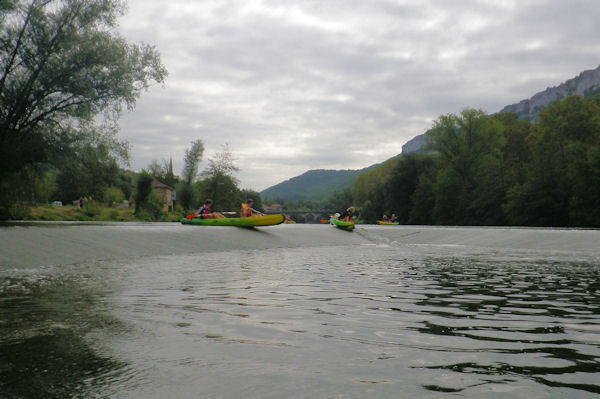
341, 224
381, 222
266, 220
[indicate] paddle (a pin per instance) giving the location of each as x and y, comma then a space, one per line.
193, 216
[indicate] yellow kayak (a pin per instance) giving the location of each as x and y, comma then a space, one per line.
266, 220
381, 222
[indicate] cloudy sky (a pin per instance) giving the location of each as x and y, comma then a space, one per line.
293, 85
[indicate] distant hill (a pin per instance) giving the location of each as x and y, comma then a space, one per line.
319, 184
314, 185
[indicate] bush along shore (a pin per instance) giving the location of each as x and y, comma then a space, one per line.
92, 211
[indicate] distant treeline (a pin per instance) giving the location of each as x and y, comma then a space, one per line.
496, 170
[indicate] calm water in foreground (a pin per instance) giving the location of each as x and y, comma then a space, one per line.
363, 321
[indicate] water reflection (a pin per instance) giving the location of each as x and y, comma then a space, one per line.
46, 339
381, 321
536, 310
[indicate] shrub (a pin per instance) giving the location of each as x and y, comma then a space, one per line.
92, 209
112, 195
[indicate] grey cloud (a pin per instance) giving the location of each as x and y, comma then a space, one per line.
312, 84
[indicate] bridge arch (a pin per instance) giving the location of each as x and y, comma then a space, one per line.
313, 216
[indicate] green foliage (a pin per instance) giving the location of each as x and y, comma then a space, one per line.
92, 209
222, 189
401, 182
423, 201
163, 173
366, 182
88, 169
219, 184
144, 190
113, 195
186, 196
497, 170
65, 74
369, 212
314, 185
559, 187
339, 200
14, 211
192, 159
45, 186
301, 205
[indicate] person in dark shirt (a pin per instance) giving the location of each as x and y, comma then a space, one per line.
346, 216
205, 213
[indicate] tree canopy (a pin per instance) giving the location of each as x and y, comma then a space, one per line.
496, 170
65, 77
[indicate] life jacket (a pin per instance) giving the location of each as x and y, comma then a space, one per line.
246, 211
203, 211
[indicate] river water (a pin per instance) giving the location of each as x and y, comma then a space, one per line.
373, 318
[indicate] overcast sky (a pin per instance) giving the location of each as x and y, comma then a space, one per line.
300, 84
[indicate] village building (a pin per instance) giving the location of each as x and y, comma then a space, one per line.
164, 192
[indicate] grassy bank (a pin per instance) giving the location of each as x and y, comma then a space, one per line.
90, 212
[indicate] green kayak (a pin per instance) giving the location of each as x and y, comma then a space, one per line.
266, 220
341, 224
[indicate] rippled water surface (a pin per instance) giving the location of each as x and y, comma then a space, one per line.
381, 321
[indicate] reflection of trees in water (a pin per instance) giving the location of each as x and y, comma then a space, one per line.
533, 306
43, 340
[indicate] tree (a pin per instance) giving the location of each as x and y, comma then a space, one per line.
402, 182
339, 200
193, 156
148, 205
64, 68
192, 159
163, 172
219, 184
560, 186
423, 200
113, 195
465, 143
87, 171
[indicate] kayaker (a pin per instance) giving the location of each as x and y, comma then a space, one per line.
247, 211
205, 213
393, 219
346, 216
385, 219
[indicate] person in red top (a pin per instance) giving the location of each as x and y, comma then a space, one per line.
205, 213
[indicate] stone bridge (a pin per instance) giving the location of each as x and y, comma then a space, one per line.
307, 216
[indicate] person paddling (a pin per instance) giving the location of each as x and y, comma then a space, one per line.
346, 216
247, 211
205, 213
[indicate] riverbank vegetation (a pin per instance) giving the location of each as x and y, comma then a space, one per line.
65, 77
496, 170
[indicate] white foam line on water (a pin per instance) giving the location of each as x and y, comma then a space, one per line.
38, 244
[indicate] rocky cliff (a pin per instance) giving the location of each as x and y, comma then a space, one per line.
585, 85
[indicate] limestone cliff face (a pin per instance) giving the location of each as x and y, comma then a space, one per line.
586, 84
414, 145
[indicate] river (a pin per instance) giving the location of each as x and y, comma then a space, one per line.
93, 310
